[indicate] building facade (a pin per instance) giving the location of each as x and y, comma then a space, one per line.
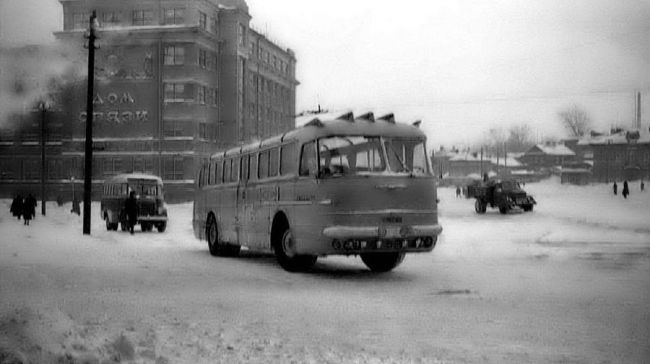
175, 81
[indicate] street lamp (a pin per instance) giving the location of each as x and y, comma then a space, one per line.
43, 106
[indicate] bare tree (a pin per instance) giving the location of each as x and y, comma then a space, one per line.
576, 120
519, 138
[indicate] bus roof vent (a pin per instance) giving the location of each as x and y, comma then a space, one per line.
417, 123
315, 122
389, 118
348, 116
367, 116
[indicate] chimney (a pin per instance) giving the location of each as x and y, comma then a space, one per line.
637, 110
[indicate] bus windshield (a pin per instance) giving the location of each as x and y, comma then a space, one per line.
359, 155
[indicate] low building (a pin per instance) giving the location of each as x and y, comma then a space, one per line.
546, 157
623, 155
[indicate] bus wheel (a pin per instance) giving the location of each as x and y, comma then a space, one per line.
287, 258
382, 262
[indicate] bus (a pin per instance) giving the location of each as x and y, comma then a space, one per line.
339, 185
152, 210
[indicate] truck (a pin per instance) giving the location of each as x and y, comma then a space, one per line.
504, 195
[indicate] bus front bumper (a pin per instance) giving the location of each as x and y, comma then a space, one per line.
359, 239
152, 218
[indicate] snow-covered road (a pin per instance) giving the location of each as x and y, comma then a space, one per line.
569, 282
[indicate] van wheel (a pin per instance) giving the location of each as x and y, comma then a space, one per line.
284, 249
382, 262
161, 227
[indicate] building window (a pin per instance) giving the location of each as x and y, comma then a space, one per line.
173, 128
174, 168
203, 20
174, 92
203, 58
174, 16
142, 17
110, 18
211, 97
174, 55
242, 34
213, 22
203, 134
80, 20
201, 95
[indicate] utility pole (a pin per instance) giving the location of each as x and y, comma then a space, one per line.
43, 108
88, 170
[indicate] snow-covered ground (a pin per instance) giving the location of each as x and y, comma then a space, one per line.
569, 282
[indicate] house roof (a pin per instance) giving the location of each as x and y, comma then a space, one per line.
617, 138
552, 149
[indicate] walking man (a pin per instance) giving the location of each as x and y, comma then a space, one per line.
131, 209
626, 190
615, 188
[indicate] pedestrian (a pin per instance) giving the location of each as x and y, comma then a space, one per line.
642, 186
29, 208
17, 206
615, 188
457, 191
626, 190
75, 207
131, 209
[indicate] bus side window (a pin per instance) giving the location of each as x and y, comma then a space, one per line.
273, 161
308, 165
235, 169
253, 167
219, 164
263, 171
244, 168
288, 160
226, 170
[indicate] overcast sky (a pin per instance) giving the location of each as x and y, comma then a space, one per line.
462, 67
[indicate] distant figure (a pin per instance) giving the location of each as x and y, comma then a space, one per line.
485, 177
626, 190
457, 191
615, 188
75, 207
642, 186
17, 207
29, 208
131, 209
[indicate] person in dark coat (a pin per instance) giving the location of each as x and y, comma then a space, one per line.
29, 208
76, 209
642, 186
615, 188
626, 190
131, 210
17, 207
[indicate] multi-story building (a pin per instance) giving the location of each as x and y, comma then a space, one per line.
175, 81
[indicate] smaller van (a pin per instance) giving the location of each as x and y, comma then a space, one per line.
152, 210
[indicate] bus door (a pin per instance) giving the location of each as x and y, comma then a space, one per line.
245, 208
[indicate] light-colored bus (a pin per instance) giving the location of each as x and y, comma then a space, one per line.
152, 210
338, 185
